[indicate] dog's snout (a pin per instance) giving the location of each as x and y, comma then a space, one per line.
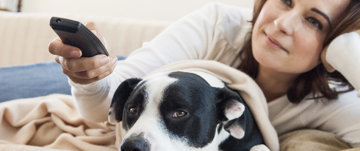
135, 143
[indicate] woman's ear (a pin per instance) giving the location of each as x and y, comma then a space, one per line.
326, 64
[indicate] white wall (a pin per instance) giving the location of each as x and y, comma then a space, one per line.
168, 10
9, 4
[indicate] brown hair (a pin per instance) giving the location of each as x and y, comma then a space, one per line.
315, 81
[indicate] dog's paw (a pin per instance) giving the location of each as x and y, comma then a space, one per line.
261, 147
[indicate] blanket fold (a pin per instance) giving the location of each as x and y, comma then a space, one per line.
51, 122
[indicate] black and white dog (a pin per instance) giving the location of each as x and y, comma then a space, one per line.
183, 111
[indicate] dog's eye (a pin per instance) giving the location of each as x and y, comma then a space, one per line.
133, 110
179, 114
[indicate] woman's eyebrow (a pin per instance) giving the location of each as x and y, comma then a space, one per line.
322, 14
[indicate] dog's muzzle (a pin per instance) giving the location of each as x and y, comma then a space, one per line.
135, 143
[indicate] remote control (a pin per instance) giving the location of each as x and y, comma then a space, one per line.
76, 34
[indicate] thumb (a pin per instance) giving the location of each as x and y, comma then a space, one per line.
92, 27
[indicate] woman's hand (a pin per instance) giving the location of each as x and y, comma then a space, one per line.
82, 70
342, 46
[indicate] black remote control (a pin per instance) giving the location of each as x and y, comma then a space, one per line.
76, 34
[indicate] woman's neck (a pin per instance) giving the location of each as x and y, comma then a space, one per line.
274, 84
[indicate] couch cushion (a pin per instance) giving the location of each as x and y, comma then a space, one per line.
32, 80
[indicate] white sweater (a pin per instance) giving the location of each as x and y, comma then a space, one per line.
217, 32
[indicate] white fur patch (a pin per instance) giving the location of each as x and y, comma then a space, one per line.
234, 109
209, 78
236, 131
111, 116
260, 147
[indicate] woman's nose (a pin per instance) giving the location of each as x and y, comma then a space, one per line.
287, 23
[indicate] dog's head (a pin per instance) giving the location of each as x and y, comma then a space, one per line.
176, 111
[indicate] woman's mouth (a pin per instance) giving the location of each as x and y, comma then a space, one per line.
272, 42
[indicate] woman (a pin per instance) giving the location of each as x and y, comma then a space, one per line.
282, 50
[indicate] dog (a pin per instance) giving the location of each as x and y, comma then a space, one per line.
184, 111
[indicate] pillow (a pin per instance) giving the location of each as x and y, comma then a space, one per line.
32, 81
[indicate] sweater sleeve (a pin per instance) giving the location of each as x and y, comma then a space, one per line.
344, 55
339, 116
195, 36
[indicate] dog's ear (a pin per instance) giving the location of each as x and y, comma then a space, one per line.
230, 108
121, 95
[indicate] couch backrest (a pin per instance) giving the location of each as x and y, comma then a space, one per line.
24, 37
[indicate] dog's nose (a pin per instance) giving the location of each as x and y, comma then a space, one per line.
135, 143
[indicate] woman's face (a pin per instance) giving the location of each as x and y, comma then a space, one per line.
288, 35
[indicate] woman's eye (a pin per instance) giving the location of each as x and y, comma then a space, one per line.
179, 114
287, 2
315, 22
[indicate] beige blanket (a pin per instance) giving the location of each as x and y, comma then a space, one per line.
53, 123
312, 140
50, 122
